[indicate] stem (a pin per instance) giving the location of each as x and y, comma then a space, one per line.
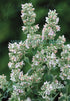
51, 98
66, 92
55, 96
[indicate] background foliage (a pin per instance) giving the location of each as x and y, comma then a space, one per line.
10, 23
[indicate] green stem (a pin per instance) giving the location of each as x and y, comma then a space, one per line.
55, 96
51, 98
66, 92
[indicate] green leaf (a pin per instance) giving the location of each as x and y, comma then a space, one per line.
62, 98
30, 71
48, 77
68, 98
26, 59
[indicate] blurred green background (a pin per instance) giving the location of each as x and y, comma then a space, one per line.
10, 23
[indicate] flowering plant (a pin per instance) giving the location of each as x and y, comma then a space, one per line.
48, 78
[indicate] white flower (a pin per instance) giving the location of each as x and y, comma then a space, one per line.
12, 78
68, 77
20, 43
68, 45
65, 51
37, 56
57, 28
30, 4
37, 26
68, 65
52, 55
51, 32
23, 28
27, 46
21, 63
51, 87
42, 51
13, 58
57, 60
15, 88
45, 59
22, 5
57, 20
14, 51
36, 63
18, 46
28, 35
47, 19
43, 34
28, 99
54, 17
9, 64
12, 45
45, 83
23, 14
17, 65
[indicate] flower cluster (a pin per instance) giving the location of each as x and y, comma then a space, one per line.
28, 15
16, 47
31, 29
65, 63
17, 98
3, 85
52, 17
50, 27
32, 41
16, 62
60, 41
48, 67
50, 89
14, 97
3, 82
46, 56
